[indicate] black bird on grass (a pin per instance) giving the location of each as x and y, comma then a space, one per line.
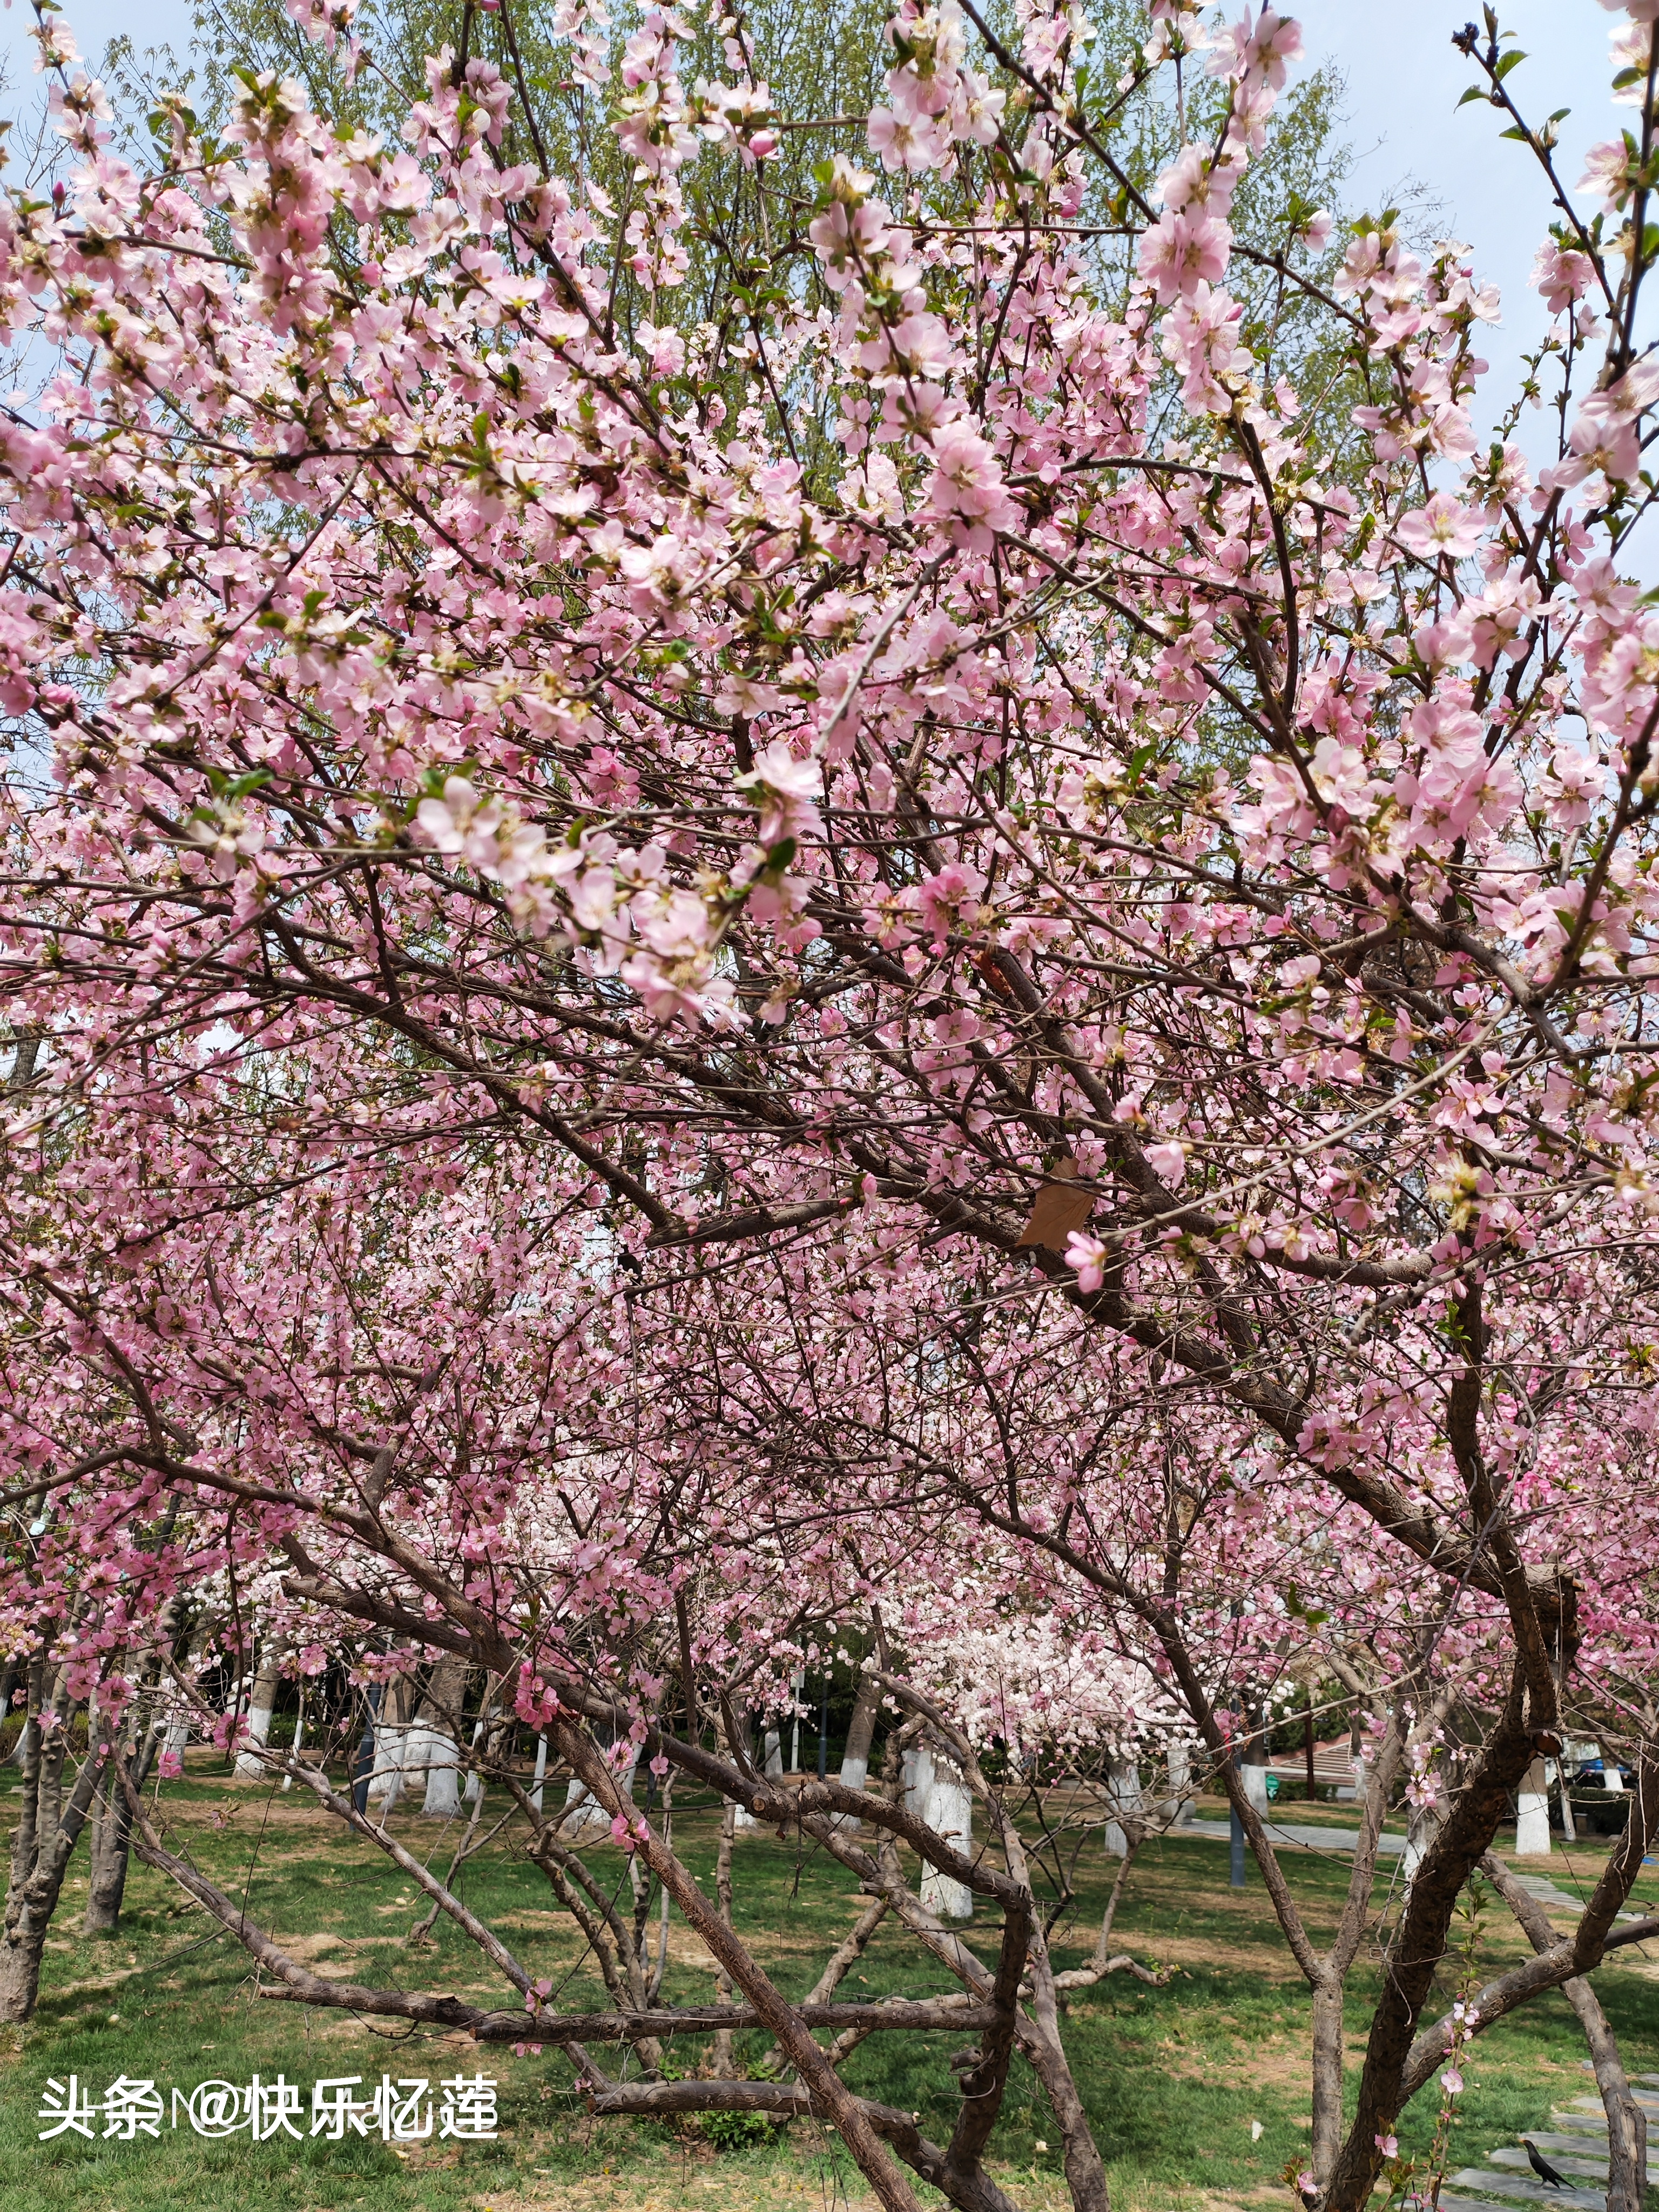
1540, 2166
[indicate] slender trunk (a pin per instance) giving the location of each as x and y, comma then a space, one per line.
848, 1951
299, 1735
107, 1860
653, 1992
1180, 1807
1627, 2126
1628, 2133
112, 1841
723, 2066
37, 1881
54, 1750
25, 1835
1327, 2080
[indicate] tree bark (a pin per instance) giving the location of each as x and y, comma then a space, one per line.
41, 1850
1465, 1836
860, 1734
723, 2067
817, 2076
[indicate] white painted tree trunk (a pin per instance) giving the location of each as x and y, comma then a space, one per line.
743, 1822
1421, 1829
1532, 1813
385, 1782
1181, 1777
948, 1809
1254, 1779
261, 1710
475, 1780
539, 1776
299, 1736
1123, 1800
916, 1775
772, 1766
860, 1734
585, 1815
432, 1748
443, 1790
1610, 1778
418, 1749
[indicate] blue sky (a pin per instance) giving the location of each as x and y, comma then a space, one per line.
1403, 77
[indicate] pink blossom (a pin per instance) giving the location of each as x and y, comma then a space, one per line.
1561, 274
1180, 250
1088, 1257
966, 481
1443, 527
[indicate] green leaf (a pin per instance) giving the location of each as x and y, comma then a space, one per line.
1517, 130
1474, 92
1511, 60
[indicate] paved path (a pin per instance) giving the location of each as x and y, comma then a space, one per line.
1305, 1832
1301, 1831
1575, 2145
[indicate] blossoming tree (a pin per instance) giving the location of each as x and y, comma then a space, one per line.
1120, 849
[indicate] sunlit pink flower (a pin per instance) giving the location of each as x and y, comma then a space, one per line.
1442, 527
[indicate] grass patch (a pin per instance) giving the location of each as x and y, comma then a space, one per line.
1174, 2077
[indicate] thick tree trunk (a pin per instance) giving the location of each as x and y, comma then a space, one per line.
261, 1709
385, 1782
1532, 1815
1123, 1801
860, 1734
439, 1721
1465, 1835
948, 1809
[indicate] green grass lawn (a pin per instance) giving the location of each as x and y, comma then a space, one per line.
1174, 2077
